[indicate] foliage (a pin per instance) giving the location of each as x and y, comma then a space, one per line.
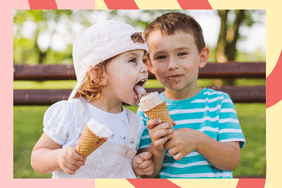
231, 23
36, 30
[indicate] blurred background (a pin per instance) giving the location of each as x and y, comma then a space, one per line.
46, 37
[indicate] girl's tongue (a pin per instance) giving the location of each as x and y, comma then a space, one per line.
140, 91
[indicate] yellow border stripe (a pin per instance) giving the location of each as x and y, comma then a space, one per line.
210, 183
114, 183
157, 4
100, 4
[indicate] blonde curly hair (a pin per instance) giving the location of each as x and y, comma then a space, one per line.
91, 87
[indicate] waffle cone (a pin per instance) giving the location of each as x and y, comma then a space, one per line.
159, 112
88, 142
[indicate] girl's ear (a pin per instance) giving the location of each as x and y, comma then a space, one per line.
204, 57
148, 63
104, 79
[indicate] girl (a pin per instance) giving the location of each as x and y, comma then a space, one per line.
108, 61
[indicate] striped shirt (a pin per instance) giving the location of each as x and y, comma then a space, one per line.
211, 112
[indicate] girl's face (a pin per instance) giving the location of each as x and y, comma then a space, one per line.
123, 72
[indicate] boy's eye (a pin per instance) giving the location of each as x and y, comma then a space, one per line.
182, 53
161, 57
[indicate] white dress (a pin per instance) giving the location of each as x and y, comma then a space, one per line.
112, 159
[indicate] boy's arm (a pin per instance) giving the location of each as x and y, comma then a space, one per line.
158, 134
157, 157
224, 156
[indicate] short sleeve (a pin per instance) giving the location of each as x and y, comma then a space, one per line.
140, 130
59, 120
229, 127
145, 139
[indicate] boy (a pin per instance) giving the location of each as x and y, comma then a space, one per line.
207, 137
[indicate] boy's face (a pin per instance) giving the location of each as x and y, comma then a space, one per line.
123, 72
175, 59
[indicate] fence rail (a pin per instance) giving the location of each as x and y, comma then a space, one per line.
211, 70
230, 70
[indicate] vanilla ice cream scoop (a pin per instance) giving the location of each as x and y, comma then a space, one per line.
150, 101
99, 129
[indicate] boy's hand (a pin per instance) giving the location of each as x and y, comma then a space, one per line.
69, 161
158, 132
182, 142
142, 164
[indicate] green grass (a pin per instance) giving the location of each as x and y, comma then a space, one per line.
252, 118
28, 129
69, 84
60, 84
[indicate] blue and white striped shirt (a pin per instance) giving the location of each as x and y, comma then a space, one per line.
211, 112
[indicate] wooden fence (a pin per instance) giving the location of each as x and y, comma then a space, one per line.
230, 70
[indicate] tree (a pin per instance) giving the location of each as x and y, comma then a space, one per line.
28, 49
46, 22
230, 32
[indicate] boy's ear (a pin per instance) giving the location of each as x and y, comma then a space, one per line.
204, 57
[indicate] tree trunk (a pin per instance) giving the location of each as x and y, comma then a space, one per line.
221, 43
233, 35
41, 54
227, 40
228, 36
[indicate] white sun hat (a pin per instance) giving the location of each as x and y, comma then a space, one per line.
100, 42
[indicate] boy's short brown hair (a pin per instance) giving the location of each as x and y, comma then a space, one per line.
168, 23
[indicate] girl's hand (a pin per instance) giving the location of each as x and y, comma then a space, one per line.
142, 164
69, 161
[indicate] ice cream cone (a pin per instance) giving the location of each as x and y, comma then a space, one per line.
89, 141
159, 112
155, 107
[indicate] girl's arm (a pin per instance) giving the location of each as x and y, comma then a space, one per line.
47, 156
157, 158
44, 156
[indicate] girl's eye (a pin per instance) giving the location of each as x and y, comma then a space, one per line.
132, 59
